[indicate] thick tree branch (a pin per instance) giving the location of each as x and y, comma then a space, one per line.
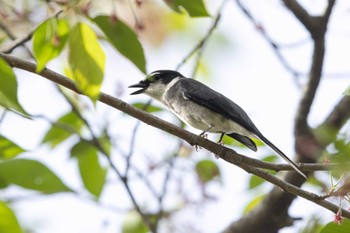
317, 27
339, 115
223, 152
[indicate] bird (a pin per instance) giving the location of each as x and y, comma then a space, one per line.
205, 109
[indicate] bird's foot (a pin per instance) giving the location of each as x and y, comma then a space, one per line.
197, 147
203, 135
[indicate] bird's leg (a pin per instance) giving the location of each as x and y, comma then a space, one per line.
203, 135
220, 140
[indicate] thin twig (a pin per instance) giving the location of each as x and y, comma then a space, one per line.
275, 47
204, 40
100, 147
133, 139
7, 31
166, 182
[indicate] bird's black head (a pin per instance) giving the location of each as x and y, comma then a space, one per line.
157, 81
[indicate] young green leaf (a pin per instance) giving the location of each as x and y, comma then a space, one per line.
31, 174
48, 41
195, 8
8, 89
63, 128
86, 60
9, 222
343, 227
133, 223
123, 39
92, 173
9, 149
255, 181
207, 170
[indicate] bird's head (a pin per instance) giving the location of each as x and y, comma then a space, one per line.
156, 83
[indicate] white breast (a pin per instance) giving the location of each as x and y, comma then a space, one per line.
198, 116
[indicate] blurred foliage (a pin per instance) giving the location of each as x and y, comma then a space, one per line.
195, 8
31, 174
86, 60
8, 89
123, 39
66, 126
133, 223
207, 170
147, 107
253, 203
256, 181
331, 227
9, 149
91, 172
9, 222
48, 41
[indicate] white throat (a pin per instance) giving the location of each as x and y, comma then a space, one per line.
157, 90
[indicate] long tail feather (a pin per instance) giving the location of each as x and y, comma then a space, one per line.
279, 152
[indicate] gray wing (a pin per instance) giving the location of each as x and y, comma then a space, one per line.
205, 96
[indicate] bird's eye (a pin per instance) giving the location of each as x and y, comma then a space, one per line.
156, 76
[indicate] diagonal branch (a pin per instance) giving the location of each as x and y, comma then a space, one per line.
223, 152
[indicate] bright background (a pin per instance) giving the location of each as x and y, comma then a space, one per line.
238, 63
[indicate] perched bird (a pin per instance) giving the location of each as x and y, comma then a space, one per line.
203, 108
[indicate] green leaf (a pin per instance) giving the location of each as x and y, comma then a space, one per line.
62, 129
31, 174
123, 39
195, 8
251, 205
207, 170
133, 223
270, 158
9, 149
255, 181
48, 41
9, 222
8, 89
332, 227
92, 173
86, 60
149, 108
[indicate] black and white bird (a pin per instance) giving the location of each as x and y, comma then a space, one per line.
203, 108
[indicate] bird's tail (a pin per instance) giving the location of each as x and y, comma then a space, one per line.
285, 157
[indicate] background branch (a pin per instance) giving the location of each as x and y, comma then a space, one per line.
272, 214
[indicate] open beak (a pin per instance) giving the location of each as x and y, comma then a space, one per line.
142, 84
